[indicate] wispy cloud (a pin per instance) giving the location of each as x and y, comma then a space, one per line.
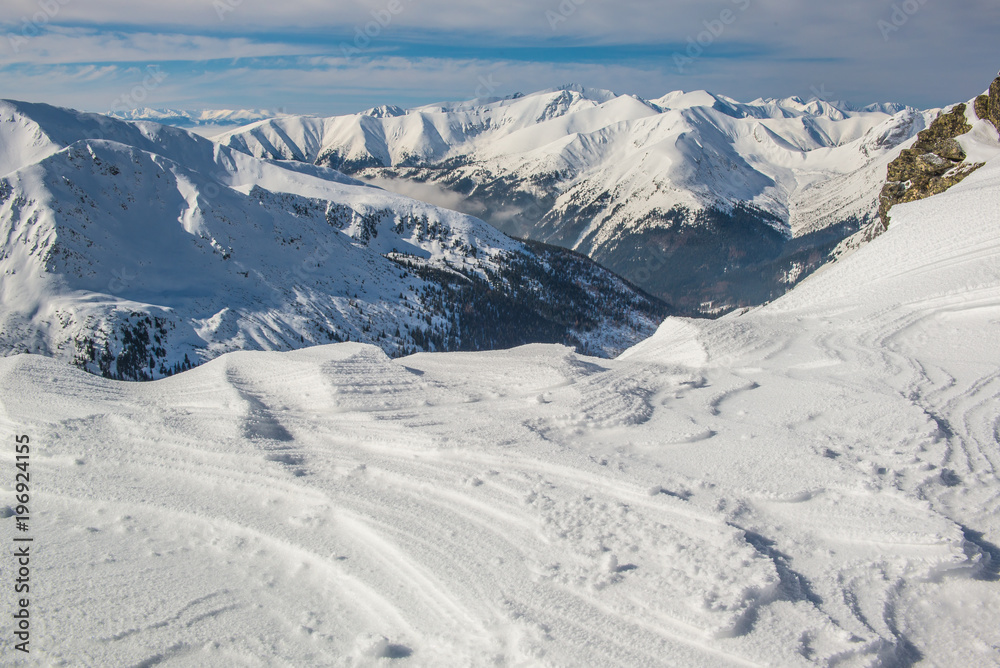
322, 57
55, 45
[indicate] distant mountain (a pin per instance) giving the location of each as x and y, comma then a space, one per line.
135, 250
705, 201
206, 118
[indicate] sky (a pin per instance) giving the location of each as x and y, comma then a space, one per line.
329, 57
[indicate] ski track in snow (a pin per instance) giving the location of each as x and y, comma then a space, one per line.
528, 507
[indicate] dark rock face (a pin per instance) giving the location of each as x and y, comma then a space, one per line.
988, 106
933, 164
982, 107
993, 111
936, 161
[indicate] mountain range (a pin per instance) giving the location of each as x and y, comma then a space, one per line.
136, 250
204, 121
704, 201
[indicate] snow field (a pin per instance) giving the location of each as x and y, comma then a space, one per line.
809, 483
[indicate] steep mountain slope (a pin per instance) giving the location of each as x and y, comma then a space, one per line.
136, 250
812, 483
694, 196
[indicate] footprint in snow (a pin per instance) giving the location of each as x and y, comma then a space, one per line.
374, 646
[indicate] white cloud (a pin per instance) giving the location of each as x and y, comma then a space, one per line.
815, 25
432, 194
941, 53
59, 46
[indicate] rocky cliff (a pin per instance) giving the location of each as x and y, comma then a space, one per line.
932, 165
988, 105
936, 161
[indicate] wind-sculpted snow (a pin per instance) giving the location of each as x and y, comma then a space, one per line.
810, 483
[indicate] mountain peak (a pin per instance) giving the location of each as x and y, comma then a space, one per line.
384, 111
595, 94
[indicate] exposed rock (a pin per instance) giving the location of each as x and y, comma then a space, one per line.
994, 103
932, 165
987, 106
950, 149
982, 107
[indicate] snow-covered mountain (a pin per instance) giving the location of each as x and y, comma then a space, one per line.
202, 121
136, 250
694, 196
811, 483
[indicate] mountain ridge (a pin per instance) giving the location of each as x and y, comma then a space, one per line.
215, 119
594, 171
135, 250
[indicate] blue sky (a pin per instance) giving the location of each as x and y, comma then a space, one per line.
312, 56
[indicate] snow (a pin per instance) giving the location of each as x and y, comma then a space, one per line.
205, 122
811, 164
813, 482
105, 221
981, 143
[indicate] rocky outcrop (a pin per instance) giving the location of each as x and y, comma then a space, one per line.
988, 105
995, 102
933, 164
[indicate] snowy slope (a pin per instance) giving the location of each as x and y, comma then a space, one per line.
135, 245
628, 181
596, 140
812, 483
